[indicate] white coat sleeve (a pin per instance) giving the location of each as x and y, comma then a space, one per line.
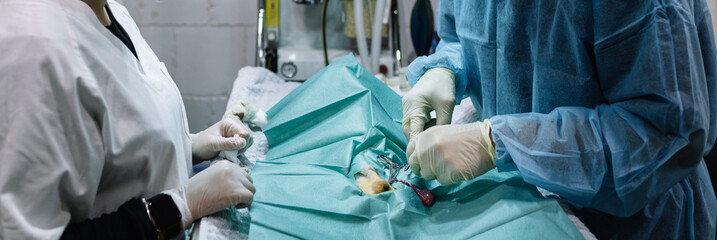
51, 154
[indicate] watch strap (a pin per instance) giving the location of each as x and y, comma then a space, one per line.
165, 215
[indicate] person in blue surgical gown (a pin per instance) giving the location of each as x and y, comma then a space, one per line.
94, 142
610, 104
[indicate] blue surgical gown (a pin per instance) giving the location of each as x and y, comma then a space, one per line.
610, 104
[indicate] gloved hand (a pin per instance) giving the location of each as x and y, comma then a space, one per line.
436, 90
247, 112
227, 134
221, 185
452, 153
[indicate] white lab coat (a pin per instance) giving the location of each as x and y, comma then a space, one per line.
84, 125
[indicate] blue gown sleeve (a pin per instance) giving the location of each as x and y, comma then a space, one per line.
657, 75
448, 52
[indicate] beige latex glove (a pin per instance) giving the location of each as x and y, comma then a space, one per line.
227, 134
436, 90
452, 153
221, 185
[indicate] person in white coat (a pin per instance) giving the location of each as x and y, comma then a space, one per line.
94, 140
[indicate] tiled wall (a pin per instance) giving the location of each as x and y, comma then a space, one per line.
203, 43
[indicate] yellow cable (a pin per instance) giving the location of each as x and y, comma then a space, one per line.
323, 31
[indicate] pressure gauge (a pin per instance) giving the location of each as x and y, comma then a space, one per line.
288, 69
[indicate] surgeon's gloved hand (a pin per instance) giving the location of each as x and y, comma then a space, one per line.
452, 153
228, 134
436, 90
221, 185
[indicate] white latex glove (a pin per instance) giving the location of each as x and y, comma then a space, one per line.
247, 113
227, 134
221, 185
436, 90
452, 153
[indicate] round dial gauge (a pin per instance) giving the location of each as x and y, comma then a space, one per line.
288, 69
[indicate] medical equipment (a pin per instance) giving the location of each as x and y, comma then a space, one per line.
393, 167
369, 182
427, 197
292, 35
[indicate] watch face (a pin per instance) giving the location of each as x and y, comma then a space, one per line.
288, 69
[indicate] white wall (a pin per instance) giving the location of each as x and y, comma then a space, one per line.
203, 43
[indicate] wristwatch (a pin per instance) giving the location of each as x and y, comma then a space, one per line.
164, 215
